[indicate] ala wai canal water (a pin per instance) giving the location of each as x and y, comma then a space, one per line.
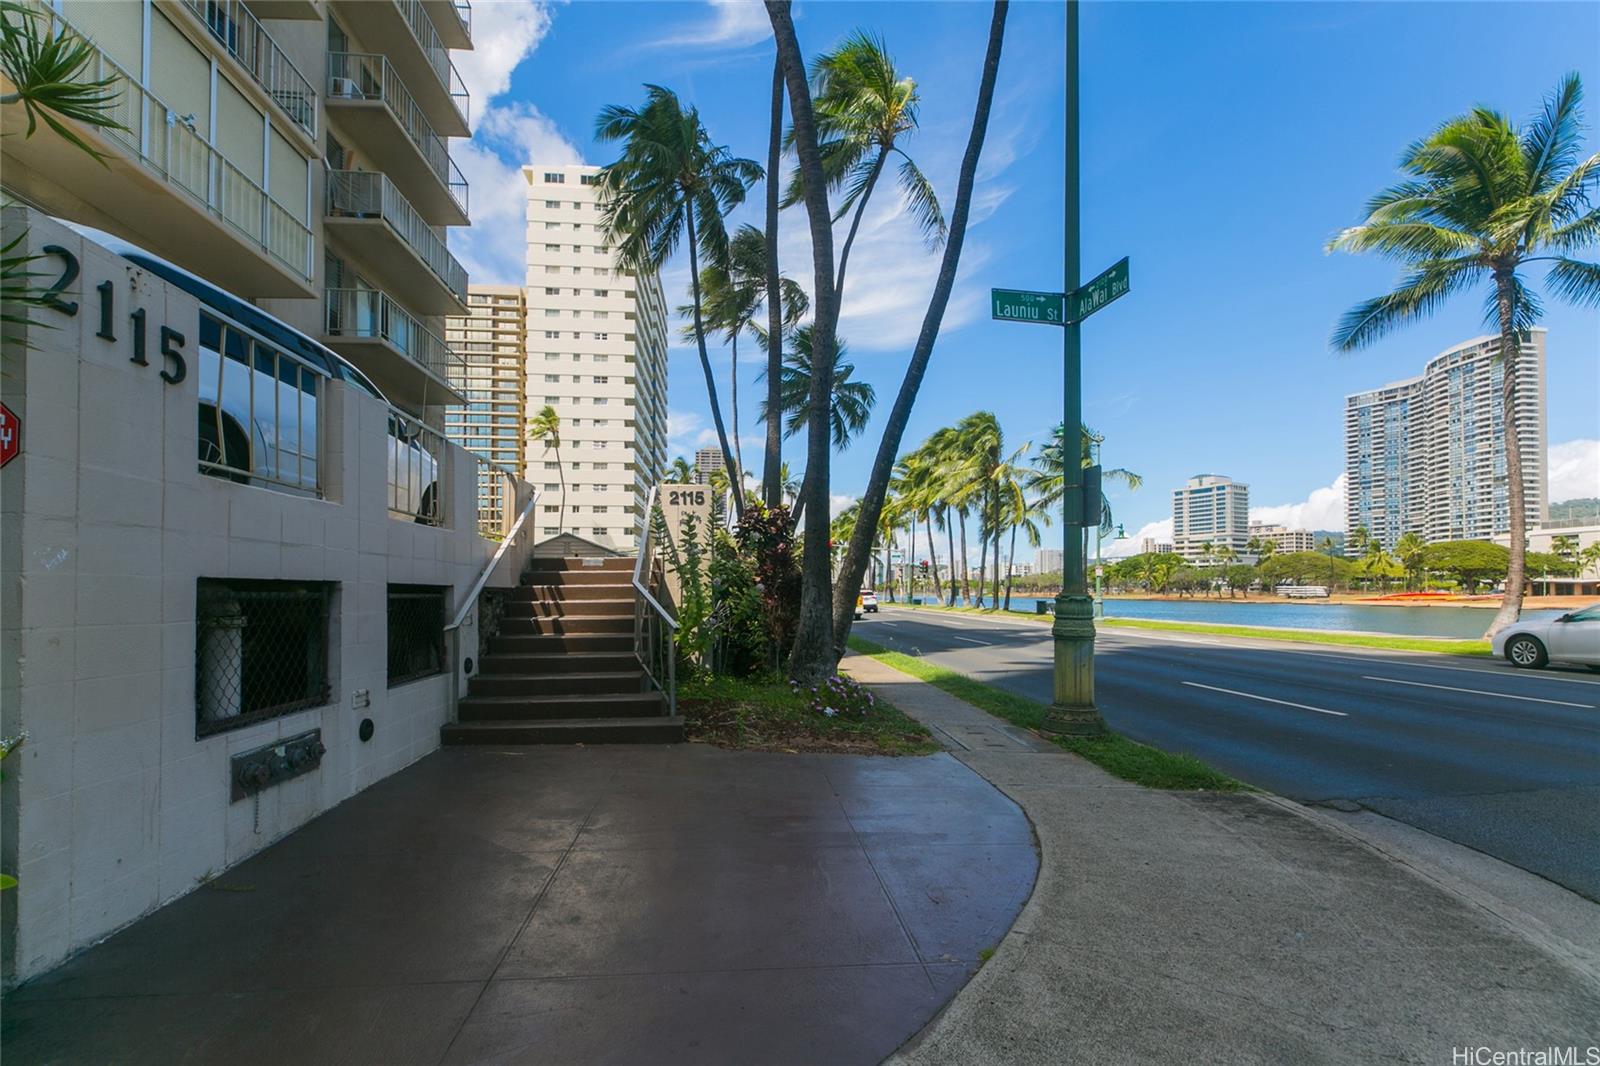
1460, 622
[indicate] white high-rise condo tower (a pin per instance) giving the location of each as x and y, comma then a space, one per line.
597, 353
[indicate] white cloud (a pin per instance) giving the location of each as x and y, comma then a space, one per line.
1160, 532
1574, 470
504, 137
733, 24
1323, 509
838, 502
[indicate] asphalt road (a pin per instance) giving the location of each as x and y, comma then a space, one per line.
1506, 762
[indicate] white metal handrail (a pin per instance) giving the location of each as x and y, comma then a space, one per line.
231, 23
645, 644
370, 194
468, 602
367, 76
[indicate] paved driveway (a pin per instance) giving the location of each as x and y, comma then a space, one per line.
595, 905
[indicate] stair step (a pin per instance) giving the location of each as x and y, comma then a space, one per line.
570, 625
557, 664
572, 578
521, 708
556, 608
535, 593
658, 730
533, 644
544, 565
612, 682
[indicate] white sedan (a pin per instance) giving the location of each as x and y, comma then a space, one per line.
1572, 638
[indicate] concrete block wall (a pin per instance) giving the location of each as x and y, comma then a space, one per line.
112, 807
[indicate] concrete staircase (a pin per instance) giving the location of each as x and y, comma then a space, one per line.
562, 669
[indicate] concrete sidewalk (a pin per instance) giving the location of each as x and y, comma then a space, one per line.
1203, 927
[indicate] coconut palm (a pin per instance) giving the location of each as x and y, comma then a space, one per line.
672, 184
788, 484
733, 293
1408, 550
1482, 201
545, 427
1048, 480
863, 108
1589, 559
852, 400
771, 486
1019, 510
680, 472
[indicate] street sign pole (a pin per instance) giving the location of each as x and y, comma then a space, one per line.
1072, 709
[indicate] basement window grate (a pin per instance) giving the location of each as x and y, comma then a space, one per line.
261, 651
416, 632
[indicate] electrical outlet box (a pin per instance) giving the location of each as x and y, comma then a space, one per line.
360, 698
252, 771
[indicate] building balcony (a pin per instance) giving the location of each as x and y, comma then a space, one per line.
300, 10
405, 359
402, 30
162, 187
367, 214
380, 114
453, 20
232, 24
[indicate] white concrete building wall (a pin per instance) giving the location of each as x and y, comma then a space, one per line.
112, 806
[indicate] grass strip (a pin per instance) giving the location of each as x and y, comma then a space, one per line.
1437, 645
759, 715
1113, 753
1357, 640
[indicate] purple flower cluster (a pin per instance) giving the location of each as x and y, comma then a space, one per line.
838, 696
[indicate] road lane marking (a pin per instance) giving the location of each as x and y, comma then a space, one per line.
1476, 692
969, 640
1265, 699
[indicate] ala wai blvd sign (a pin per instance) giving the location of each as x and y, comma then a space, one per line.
1059, 308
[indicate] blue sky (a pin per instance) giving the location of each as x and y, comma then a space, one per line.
1223, 145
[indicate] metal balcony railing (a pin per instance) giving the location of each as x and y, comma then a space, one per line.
232, 23
370, 313
160, 139
464, 13
438, 55
369, 194
365, 76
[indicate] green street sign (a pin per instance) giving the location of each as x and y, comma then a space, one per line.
1017, 305
1102, 290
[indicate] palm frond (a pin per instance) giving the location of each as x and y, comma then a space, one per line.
922, 200
1419, 294
1550, 141
1575, 281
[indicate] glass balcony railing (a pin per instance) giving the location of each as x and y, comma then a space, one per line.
232, 23
160, 139
370, 314
369, 194
438, 55
364, 76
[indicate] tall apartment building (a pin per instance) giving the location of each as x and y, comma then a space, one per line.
1047, 560
597, 353
492, 344
708, 461
292, 152
1210, 509
1427, 455
1283, 538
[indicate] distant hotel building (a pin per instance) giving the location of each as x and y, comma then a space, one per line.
1427, 455
1283, 538
1048, 560
1152, 546
597, 340
492, 343
708, 461
1210, 509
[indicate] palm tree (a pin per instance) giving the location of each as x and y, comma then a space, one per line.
851, 403
771, 486
681, 472
1019, 511
1483, 200
788, 484
733, 293
863, 107
1048, 479
1589, 559
672, 184
545, 427
1408, 549
820, 633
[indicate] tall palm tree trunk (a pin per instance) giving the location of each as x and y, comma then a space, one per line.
855, 223
561, 508
855, 561
950, 539
815, 655
966, 570
705, 361
933, 557
1011, 566
983, 559
1510, 356
733, 415
771, 482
